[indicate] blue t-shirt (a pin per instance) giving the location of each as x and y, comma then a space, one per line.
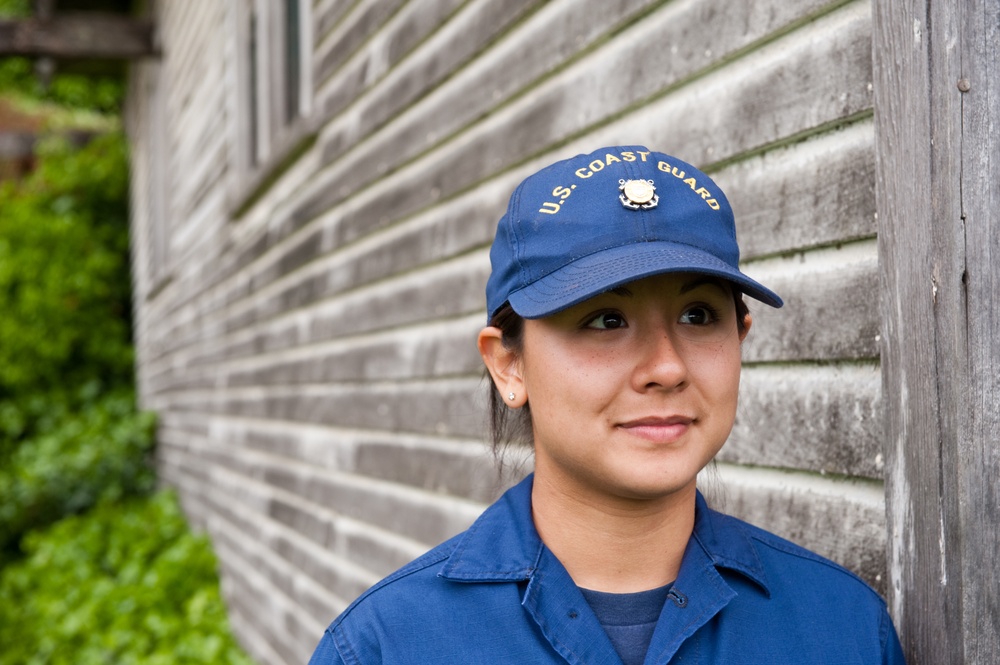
629, 619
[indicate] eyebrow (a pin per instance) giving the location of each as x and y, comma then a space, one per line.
687, 286
702, 281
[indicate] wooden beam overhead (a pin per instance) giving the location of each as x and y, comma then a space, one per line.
81, 35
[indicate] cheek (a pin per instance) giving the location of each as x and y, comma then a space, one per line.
719, 373
563, 383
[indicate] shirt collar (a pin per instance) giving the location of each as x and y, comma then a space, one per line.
503, 545
727, 543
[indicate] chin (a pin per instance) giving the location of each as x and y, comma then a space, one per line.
645, 488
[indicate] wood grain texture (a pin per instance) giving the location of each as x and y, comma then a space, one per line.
95, 35
242, 499
364, 19
815, 193
313, 361
269, 613
938, 188
843, 520
824, 418
327, 14
823, 317
766, 99
427, 182
455, 79
412, 76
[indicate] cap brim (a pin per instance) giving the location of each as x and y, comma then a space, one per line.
591, 275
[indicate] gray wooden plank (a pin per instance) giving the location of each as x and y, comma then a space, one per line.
365, 19
241, 499
979, 452
365, 213
476, 46
824, 197
822, 320
843, 520
94, 35
414, 23
822, 418
464, 469
814, 193
447, 407
297, 496
936, 70
765, 99
327, 15
831, 308
257, 597
452, 289
411, 354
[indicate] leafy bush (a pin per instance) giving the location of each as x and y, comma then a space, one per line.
97, 456
102, 94
14, 8
92, 568
76, 91
125, 583
64, 286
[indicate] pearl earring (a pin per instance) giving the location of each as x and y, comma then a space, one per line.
511, 396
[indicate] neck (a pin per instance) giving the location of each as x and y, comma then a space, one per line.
614, 544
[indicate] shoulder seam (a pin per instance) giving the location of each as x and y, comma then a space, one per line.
776, 543
435, 556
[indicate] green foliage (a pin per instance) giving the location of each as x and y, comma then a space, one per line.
17, 75
93, 569
76, 91
64, 285
125, 583
97, 456
14, 8
103, 94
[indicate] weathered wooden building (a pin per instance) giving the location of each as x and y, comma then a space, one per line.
315, 187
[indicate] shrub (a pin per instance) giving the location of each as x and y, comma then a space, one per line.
125, 583
93, 569
64, 286
102, 94
98, 455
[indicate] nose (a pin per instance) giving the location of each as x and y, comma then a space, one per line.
661, 364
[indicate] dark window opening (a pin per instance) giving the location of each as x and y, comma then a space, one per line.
293, 63
254, 89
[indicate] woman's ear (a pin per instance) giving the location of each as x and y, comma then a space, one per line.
504, 365
747, 322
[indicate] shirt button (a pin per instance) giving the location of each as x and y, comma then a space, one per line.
680, 600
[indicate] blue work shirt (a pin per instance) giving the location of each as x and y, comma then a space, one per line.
495, 594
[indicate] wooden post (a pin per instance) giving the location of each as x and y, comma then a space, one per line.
81, 35
937, 119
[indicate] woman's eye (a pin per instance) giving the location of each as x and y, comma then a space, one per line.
607, 321
699, 315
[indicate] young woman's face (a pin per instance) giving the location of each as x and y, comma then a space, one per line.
634, 391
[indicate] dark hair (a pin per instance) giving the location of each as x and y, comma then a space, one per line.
507, 427
513, 428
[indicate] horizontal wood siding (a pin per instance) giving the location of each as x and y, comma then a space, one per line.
312, 354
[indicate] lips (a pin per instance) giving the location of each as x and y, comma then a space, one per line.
658, 429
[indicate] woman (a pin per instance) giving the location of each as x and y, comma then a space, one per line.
616, 316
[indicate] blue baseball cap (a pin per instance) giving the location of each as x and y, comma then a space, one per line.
590, 223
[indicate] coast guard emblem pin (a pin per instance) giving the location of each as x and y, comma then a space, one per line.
638, 194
